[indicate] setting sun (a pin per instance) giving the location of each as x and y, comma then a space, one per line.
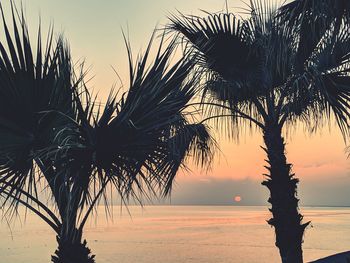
237, 198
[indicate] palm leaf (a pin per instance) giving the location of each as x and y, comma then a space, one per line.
32, 85
130, 143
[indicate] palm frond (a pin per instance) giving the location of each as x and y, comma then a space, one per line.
32, 84
312, 19
323, 89
192, 139
223, 43
139, 142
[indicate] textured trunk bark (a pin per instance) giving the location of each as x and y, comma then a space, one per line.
283, 191
72, 251
71, 248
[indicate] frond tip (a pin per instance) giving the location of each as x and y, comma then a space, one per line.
32, 84
190, 140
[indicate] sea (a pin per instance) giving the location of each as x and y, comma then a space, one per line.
178, 234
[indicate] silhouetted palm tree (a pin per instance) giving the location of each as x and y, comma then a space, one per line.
52, 132
257, 74
313, 18
321, 13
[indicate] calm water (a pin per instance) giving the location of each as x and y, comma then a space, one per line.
178, 234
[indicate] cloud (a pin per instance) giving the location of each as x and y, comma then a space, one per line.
219, 192
205, 180
324, 191
315, 165
332, 190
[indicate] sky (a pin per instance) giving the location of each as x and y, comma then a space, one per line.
94, 31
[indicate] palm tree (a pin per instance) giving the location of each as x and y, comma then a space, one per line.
257, 75
313, 12
53, 132
313, 19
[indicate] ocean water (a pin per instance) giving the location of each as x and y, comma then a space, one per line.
178, 234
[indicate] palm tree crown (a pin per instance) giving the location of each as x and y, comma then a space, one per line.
52, 131
253, 66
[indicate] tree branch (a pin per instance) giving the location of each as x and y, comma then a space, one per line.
283, 119
92, 205
261, 109
41, 215
237, 116
242, 114
33, 199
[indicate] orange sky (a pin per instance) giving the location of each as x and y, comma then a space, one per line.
93, 29
312, 155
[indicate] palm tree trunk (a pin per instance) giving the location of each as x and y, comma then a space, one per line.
72, 250
283, 191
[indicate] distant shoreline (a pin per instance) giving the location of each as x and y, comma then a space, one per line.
213, 205
232, 205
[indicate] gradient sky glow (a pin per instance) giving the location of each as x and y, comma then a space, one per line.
93, 28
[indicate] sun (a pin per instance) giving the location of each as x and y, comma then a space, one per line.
237, 198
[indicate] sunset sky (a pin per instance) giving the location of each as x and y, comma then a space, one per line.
93, 28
